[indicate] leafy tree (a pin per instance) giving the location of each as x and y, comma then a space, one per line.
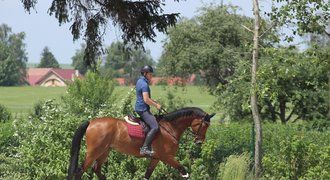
139, 20
294, 82
306, 16
78, 60
123, 63
47, 59
209, 45
12, 57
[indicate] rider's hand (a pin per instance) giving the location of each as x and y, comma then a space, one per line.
158, 106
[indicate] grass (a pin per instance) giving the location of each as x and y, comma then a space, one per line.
22, 99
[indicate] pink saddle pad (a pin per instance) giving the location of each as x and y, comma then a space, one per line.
135, 131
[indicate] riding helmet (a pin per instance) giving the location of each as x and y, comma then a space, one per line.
146, 68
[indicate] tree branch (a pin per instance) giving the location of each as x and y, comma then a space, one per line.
267, 30
246, 28
289, 117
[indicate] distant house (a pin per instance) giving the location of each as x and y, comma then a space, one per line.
51, 76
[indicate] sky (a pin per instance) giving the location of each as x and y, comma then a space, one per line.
42, 30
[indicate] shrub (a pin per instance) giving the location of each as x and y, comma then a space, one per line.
86, 97
4, 114
296, 154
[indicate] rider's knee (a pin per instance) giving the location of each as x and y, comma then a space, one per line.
156, 129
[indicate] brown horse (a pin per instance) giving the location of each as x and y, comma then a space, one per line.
105, 134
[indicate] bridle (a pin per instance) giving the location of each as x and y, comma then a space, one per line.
197, 134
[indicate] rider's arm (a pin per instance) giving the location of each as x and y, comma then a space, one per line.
149, 101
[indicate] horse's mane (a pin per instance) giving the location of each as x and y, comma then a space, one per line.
184, 112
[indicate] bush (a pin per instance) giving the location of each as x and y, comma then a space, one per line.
86, 97
296, 154
4, 114
45, 142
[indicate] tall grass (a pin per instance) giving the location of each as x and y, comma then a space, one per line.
235, 167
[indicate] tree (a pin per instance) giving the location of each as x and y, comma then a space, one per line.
12, 57
310, 16
78, 60
293, 84
210, 45
139, 20
47, 59
254, 97
123, 63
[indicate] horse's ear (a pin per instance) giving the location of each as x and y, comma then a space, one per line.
210, 116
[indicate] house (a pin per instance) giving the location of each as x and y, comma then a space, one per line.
51, 76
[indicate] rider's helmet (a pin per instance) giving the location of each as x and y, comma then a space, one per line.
146, 68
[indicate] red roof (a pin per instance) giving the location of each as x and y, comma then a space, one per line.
35, 75
65, 73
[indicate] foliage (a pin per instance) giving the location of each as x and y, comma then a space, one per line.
78, 60
5, 115
91, 19
235, 167
44, 143
308, 16
12, 57
292, 86
299, 80
86, 97
208, 45
47, 59
171, 101
293, 153
123, 63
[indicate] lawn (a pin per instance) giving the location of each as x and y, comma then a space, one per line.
22, 99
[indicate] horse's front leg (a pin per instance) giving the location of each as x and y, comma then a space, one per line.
170, 160
151, 168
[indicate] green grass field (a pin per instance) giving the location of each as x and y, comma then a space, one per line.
22, 99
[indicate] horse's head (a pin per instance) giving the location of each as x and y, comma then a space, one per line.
199, 127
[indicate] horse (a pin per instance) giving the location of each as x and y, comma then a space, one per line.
107, 133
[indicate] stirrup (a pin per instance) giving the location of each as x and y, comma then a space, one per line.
146, 151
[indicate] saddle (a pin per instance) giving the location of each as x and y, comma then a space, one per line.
136, 127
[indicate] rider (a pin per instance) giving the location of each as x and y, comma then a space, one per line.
142, 107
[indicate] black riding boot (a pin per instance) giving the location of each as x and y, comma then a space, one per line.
146, 148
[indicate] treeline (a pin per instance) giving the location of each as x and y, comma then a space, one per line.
118, 61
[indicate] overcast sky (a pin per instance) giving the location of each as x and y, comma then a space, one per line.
43, 30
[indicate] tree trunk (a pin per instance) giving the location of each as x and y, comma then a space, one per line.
271, 109
254, 99
282, 109
329, 95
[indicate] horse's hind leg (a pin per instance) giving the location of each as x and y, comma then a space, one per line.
97, 167
87, 163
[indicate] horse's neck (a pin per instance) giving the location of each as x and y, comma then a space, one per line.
179, 126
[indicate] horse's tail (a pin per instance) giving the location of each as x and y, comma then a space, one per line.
75, 148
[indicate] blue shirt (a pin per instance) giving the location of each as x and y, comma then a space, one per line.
142, 85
